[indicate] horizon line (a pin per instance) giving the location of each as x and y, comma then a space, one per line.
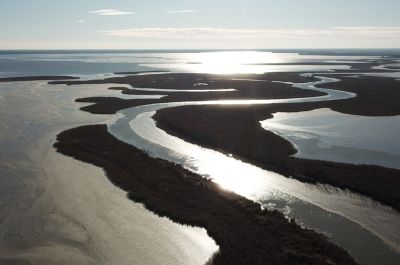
188, 49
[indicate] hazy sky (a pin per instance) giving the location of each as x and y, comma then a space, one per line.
46, 24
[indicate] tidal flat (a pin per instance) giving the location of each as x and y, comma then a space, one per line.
209, 183
229, 121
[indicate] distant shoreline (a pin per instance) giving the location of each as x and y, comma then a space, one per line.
37, 78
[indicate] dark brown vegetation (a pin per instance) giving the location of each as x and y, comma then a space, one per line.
245, 89
110, 105
236, 130
245, 233
139, 72
187, 80
376, 96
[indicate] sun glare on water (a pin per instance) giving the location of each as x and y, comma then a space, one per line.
238, 62
231, 62
227, 62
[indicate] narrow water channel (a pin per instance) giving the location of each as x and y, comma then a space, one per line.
368, 230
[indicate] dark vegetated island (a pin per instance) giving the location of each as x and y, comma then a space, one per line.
236, 129
187, 80
245, 233
141, 72
245, 88
376, 96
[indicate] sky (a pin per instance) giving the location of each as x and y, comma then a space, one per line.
205, 24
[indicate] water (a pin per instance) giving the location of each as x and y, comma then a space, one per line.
56, 210
364, 228
23, 63
44, 219
328, 135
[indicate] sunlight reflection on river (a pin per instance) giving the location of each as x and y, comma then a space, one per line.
341, 215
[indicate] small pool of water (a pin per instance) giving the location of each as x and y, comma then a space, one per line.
324, 134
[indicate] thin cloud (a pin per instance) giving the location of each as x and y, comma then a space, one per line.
80, 21
377, 31
110, 12
185, 11
260, 34
367, 28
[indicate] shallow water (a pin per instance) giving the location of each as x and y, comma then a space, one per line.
23, 63
183, 90
49, 213
368, 230
56, 210
328, 135
244, 69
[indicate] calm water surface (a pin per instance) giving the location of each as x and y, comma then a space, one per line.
369, 231
37, 190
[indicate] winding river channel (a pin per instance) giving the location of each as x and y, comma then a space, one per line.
57, 210
368, 230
